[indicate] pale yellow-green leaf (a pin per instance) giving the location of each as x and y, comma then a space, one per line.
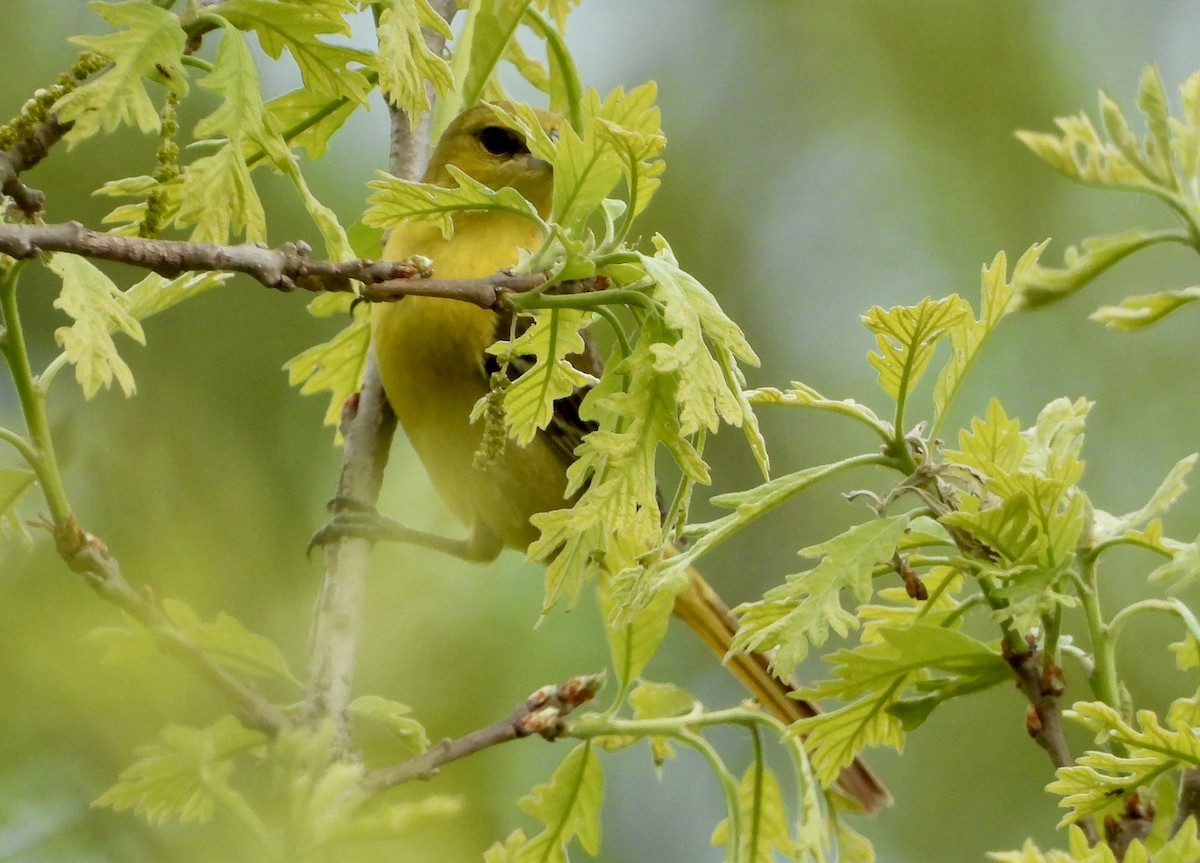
394, 718
1141, 310
968, 337
1100, 778
229, 643
492, 24
149, 46
99, 309
395, 200
156, 293
764, 820
1187, 652
634, 639
1107, 527
568, 807
659, 701
184, 775
1056, 439
529, 401
336, 365
1081, 851
802, 611
308, 120
1037, 285
877, 675
404, 61
298, 28
586, 167
993, 445
1152, 100
507, 851
800, 394
219, 199
907, 336
558, 10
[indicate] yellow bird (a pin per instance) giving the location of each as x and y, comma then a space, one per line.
433, 363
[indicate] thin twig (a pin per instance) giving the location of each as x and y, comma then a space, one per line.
1043, 687
1189, 800
286, 268
368, 428
23, 156
542, 713
90, 557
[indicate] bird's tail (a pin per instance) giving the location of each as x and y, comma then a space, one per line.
699, 606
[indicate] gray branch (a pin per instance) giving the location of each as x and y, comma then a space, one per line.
542, 714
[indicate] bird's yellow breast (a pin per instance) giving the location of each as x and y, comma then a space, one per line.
431, 353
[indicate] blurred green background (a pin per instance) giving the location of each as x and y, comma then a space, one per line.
823, 157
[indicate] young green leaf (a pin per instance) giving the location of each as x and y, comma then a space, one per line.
1108, 527
634, 639
568, 807
1182, 570
228, 642
156, 293
558, 10
184, 775
803, 610
1152, 100
492, 24
404, 61
802, 395
659, 701
396, 200
877, 675
1037, 285
551, 339
149, 46
298, 28
1099, 778
99, 310
336, 365
308, 120
765, 825
969, 335
907, 337
586, 167
1142, 310
393, 718
1081, 851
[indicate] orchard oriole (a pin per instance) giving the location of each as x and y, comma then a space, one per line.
433, 364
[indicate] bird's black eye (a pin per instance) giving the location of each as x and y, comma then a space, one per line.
502, 142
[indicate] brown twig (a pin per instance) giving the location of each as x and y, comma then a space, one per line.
1042, 684
24, 155
542, 714
368, 426
286, 268
1189, 800
89, 556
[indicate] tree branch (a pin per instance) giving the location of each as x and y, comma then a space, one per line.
24, 155
1043, 687
287, 268
542, 713
368, 427
1189, 800
89, 556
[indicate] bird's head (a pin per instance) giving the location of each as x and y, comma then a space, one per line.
491, 151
